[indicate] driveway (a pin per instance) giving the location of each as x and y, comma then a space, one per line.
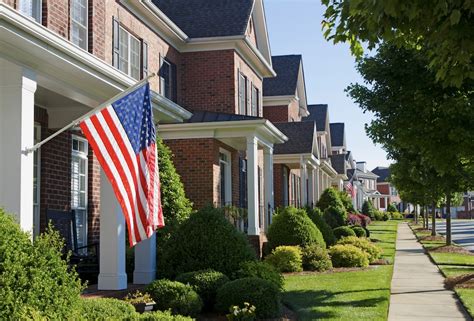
462, 232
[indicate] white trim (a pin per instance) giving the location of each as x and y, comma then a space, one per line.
84, 156
279, 100
228, 173
37, 216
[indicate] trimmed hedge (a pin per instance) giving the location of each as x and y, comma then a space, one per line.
316, 258
205, 241
292, 226
373, 251
286, 259
359, 231
161, 316
335, 216
343, 231
316, 216
330, 197
262, 294
175, 296
348, 256
104, 309
262, 270
205, 283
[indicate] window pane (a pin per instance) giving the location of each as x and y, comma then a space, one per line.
134, 58
123, 51
79, 23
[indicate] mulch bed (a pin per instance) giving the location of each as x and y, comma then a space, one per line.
422, 230
451, 249
433, 238
465, 281
93, 292
381, 262
286, 315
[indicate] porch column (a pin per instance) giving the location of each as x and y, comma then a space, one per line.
145, 261
311, 198
304, 189
112, 274
268, 180
316, 185
17, 99
252, 186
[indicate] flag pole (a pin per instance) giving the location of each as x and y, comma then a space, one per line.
93, 111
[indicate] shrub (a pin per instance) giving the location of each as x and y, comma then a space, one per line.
396, 216
262, 270
359, 231
354, 219
343, 231
262, 294
368, 209
247, 313
335, 216
205, 283
365, 220
286, 259
317, 217
392, 208
105, 309
33, 276
316, 258
346, 201
330, 197
348, 256
206, 241
385, 216
292, 226
373, 251
175, 296
161, 316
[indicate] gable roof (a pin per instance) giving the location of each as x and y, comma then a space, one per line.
337, 134
209, 116
300, 138
319, 114
208, 18
382, 172
287, 69
338, 162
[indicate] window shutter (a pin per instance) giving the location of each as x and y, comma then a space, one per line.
248, 102
116, 43
144, 59
174, 83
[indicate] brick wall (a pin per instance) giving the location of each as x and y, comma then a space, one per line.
10, 3
278, 187
97, 20
56, 16
276, 114
240, 65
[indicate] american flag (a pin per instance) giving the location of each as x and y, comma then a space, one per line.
350, 189
122, 136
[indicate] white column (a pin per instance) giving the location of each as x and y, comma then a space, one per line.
145, 261
311, 198
304, 190
268, 180
386, 203
252, 186
112, 239
316, 185
17, 99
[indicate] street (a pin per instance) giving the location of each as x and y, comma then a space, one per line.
462, 232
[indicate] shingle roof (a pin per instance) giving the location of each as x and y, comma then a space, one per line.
337, 134
208, 116
318, 113
208, 18
300, 138
287, 69
382, 172
338, 162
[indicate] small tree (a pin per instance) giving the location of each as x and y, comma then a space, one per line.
330, 197
368, 209
347, 202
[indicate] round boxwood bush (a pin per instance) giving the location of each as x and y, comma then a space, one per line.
335, 216
34, 277
286, 259
373, 251
343, 231
292, 226
161, 316
359, 231
105, 309
316, 258
262, 294
205, 283
205, 241
348, 256
175, 296
262, 270
316, 216
330, 197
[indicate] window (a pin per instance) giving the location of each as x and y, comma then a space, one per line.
168, 79
130, 55
285, 186
255, 101
79, 164
79, 14
36, 181
31, 8
242, 94
225, 187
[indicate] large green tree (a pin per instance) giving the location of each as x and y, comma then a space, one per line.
443, 28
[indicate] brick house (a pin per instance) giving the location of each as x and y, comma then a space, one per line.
339, 160
388, 193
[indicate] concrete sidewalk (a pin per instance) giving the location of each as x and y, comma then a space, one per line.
418, 291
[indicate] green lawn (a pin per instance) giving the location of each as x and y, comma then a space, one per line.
357, 295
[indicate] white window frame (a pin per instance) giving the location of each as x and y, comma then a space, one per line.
84, 156
74, 22
228, 174
170, 81
255, 101
37, 192
129, 53
242, 96
36, 9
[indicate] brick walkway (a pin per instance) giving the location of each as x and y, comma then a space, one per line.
418, 291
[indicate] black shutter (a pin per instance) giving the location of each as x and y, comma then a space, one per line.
116, 43
174, 84
144, 59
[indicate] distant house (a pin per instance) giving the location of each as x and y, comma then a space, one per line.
366, 185
388, 193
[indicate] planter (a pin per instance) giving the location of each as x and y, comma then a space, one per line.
144, 307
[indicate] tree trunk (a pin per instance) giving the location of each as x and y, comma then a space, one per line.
433, 220
427, 215
448, 219
422, 212
415, 215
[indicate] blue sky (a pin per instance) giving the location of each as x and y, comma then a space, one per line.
294, 27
